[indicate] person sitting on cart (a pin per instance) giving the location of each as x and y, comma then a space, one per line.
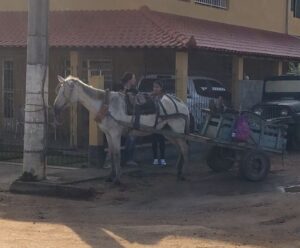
217, 106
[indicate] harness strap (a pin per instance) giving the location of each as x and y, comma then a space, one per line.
162, 107
172, 100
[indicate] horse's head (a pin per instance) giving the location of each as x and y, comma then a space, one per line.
66, 94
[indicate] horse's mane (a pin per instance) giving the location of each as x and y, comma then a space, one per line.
88, 89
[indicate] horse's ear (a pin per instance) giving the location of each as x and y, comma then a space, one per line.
60, 79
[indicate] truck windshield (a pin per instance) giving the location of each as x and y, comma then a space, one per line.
282, 89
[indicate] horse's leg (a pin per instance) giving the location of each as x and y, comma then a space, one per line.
112, 174
182, 148
174, 142
116, 155
183, 160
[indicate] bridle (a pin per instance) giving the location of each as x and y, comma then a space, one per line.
67, 98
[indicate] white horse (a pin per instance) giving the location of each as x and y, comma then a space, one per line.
115, 122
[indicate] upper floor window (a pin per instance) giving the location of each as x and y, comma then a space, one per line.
295, 7
223, 4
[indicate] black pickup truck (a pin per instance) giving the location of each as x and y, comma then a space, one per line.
281, 104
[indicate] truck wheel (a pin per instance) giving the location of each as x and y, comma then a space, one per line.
254, 166
220, 159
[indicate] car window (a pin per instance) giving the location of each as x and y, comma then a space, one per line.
202, 86
209, 88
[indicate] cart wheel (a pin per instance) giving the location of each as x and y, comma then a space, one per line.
254, 166
220, 159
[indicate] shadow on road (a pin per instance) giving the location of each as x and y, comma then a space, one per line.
152, 209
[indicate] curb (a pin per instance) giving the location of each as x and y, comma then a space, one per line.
43, 188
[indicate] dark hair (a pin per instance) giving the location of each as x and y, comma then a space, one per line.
126, 77
160, 83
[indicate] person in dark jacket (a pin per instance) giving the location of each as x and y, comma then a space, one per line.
158, 140
128, 82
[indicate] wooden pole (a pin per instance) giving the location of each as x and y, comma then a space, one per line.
74, 62
278, 68
237, 75
96, 142
95, 134
181, 74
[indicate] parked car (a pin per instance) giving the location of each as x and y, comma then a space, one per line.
281, 104
200, 90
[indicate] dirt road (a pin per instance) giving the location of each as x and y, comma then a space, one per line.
151, 209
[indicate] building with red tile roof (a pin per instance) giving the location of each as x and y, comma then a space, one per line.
225, 40
145, 28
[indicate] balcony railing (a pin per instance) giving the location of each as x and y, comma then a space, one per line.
223, 4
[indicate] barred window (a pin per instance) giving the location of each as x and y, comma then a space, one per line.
101, 66
223, 4
8, 89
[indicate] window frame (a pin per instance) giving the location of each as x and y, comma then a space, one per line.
209, 3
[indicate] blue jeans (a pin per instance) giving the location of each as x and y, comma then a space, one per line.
129, 148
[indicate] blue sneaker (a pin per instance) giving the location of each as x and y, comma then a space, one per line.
162, 162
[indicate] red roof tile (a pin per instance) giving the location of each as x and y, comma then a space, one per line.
146, 28
230, 38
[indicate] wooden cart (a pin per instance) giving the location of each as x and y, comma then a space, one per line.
251, 155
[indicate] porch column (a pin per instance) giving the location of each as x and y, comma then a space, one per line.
96, 144
74, 63
237, 75
278, 68
181, 73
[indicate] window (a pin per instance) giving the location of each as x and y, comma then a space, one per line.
8, 90
103, 66
295, 7
223, 4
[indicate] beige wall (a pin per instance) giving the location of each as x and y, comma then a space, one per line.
261, 14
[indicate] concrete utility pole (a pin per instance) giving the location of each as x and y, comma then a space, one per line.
34, 167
